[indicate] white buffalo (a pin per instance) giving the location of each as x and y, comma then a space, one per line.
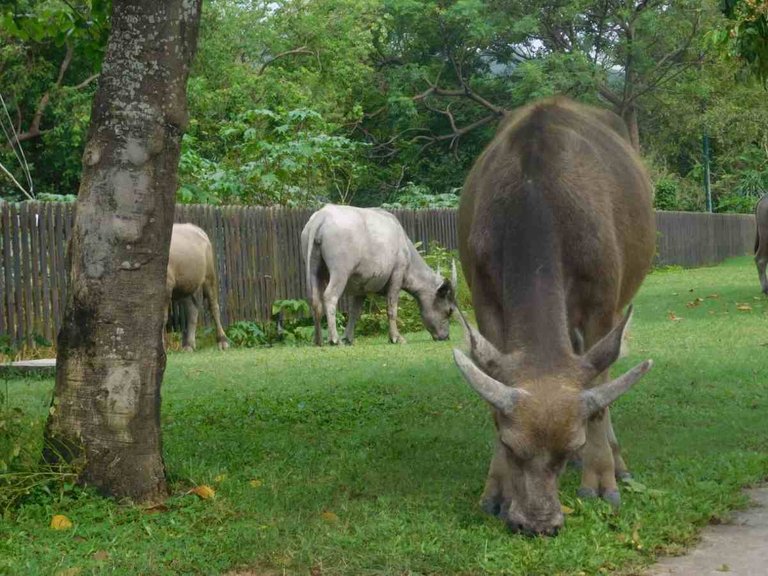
362, 251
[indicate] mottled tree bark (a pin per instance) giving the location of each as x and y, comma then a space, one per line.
106, 406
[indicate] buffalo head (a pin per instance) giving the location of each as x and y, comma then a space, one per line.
540, 416
436, 305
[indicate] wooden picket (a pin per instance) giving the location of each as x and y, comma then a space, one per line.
258, 255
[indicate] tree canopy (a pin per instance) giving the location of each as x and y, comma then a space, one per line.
298, 102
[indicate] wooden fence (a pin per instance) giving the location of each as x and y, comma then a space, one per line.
258, 255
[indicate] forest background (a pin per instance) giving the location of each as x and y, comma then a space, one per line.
388, 102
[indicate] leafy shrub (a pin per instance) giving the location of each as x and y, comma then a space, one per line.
666, 193
415, 196
246, 334
290, 324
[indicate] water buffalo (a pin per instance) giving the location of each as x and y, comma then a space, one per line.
192, 275
362, 251
556, 234
761, 240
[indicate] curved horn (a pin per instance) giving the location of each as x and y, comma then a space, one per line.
601, 396
492, 391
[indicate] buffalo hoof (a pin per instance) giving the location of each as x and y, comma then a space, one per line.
491, 506
333, 342
586, 493
398, 340
612, 497
347, 341
187, 348
623, 475
223, 345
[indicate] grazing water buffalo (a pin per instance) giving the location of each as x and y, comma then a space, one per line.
365, 250
556, 233
761, 241
192, 275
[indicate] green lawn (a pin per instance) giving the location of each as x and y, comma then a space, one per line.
370, 460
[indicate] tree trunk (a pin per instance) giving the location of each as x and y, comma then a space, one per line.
106, 406
630, 119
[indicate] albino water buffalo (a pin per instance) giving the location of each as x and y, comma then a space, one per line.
761, 241
556, 234
192, 275
362, 251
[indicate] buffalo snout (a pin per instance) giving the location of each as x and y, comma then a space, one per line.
544, 528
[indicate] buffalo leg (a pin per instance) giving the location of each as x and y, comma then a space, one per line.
354, 313
189, 332
316, 302
393, 296
492, 501
761, 262
598, 473
331, 295
211, 291
621, 470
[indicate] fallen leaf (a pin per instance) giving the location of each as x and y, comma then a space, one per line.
694, 303
674, 317
256, 483
156, 509
329, 516
101, 555
724, 568
566, 509
61, 522
220, 478
743, 307
204, 491
714, 296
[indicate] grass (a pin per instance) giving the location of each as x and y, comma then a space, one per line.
370, 460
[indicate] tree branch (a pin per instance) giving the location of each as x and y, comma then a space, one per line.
302, 50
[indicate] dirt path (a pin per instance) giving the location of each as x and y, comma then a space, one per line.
738, 548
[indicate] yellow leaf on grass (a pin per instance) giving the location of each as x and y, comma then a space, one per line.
565, 509
329, 516
61, 522
203, 491
220, 478
744, 307
256, 483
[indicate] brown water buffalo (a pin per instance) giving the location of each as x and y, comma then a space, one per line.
556, 233
761, 241
192, 275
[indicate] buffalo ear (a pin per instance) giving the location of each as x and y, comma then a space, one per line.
445, 290
600, 357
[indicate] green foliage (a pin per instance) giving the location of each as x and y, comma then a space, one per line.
666, 194
414, 197
290, 159
291, 324
746, 34
49, 53
247, 334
